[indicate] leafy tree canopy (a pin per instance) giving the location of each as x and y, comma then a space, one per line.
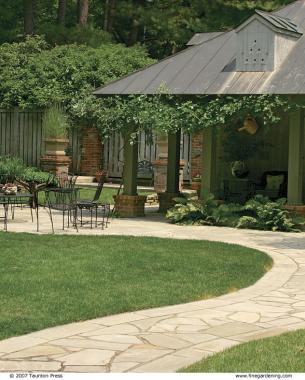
36, 76
163, 26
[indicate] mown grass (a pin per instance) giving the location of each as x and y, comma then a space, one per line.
88, 193
285, 353
50, 280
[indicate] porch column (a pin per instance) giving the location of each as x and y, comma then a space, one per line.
208, 177
130, 166
173, 172
173, 162
130, 204
296, 158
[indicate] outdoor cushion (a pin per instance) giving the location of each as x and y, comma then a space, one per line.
274, 182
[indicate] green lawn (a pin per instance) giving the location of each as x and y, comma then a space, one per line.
88, 193
49, 280
285, 353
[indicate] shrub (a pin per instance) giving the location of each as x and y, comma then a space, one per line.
247, 222
32, 174
258, 213
85, 35
189, 211
267, 215
10, 168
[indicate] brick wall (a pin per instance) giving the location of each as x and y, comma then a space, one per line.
196, 155
91, 151
128, 206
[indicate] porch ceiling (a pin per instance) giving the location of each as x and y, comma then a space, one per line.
210, 68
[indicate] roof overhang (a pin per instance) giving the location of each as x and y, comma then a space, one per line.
208, 68
276, 23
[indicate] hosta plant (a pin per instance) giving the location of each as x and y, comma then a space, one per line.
267, 215
190, 211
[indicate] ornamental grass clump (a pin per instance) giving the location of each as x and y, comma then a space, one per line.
55, 122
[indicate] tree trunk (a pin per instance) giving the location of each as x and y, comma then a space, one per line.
83, 12
133, 35
109, 15
61, 13
28, 14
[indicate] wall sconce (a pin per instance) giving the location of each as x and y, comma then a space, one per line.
250, 126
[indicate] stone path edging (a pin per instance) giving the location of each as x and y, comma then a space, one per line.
167, 338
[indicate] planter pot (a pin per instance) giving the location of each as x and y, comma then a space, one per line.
56, 146
239, 169
55, 159
100, 174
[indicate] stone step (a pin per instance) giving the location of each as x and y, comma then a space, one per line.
84, 179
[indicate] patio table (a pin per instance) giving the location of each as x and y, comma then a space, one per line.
19, 199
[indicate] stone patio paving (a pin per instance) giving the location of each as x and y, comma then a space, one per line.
168, 338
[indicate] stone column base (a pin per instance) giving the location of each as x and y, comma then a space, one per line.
196, 186
160, 175
55, 164
130, 206
166, 200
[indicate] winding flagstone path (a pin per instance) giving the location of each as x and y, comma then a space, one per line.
168, 338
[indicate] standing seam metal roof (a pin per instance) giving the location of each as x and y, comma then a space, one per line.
209, 67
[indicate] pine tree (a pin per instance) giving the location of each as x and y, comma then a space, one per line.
61, 13
83, 12
28, 15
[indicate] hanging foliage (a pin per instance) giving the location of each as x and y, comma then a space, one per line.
168, 113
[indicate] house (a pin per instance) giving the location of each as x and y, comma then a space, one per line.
264, 55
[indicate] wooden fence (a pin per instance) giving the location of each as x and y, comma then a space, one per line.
148, 150
22, 135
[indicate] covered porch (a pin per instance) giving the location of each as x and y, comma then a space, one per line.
260, 58
283, 155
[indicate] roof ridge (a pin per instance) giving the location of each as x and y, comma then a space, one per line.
279, 22
217, 34
271, 14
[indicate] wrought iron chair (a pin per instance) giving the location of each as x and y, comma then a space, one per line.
4, 201
66, 180
146, 171
94, 205
65, 202
11, 198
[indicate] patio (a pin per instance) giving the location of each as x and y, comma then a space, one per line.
168, 338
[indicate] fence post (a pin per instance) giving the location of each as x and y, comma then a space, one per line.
15, 135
